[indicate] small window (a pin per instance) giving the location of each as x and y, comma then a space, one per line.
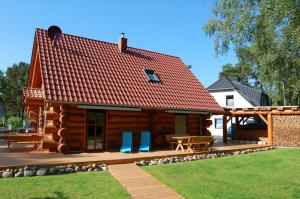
151, 76
218, 123
229, 101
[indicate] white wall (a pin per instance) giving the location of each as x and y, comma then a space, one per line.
239, 100
220, 97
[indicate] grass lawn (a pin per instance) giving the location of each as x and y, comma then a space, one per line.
80, 185
270, 174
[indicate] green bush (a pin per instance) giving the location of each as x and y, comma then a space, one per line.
2, 122
16, 122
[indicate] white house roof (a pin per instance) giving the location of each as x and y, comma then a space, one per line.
255, 96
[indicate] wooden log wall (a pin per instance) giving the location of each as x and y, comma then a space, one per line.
193, 125
159, 123
72, 129
50, 129
120, 121
206, 123
66, 127
34, 119
251, 133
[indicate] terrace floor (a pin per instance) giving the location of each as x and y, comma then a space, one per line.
17, 158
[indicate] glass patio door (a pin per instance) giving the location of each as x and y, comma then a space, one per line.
95, 131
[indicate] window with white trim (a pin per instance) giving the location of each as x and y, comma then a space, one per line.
218, 123
229, 101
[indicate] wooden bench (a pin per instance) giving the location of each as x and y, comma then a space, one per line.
22, 139
251, 140
171, 141
198, 141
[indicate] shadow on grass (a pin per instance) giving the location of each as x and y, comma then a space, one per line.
58, 195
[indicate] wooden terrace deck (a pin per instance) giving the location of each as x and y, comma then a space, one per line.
19, 159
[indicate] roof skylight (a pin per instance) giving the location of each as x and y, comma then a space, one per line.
151, 76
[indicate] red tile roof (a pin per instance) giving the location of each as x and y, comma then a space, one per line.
33, 93
95, 72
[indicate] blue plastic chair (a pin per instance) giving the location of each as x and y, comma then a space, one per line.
126, 146
145, 141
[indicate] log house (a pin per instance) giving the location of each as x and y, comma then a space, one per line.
83, 93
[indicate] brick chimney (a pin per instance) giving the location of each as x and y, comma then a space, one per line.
122, 43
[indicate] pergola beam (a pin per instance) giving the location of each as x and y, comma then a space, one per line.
240, 113
275, 110
242, 118
229, 119
263, 119
247, 118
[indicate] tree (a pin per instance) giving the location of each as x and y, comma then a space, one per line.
16, 122
11, 87
265, 34
239, 72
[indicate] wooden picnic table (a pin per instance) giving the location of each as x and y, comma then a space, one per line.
180, 141
192, 141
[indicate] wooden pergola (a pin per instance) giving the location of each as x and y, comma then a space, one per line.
34, 103
264, 112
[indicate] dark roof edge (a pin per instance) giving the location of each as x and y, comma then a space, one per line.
141, 107
229, 81
248, 87
246, 98
224, 89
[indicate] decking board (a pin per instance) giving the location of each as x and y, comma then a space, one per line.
140, 184
20, 159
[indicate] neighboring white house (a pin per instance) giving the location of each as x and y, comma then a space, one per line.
233, 94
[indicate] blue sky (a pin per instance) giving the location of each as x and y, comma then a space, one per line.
173, 27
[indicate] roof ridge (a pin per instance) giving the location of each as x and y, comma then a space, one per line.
113, 43
229, 81
225, 78
246, 86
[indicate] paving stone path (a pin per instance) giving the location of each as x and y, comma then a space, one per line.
140, 184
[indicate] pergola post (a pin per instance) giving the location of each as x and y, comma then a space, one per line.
270, 129
236, 128
225, 128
